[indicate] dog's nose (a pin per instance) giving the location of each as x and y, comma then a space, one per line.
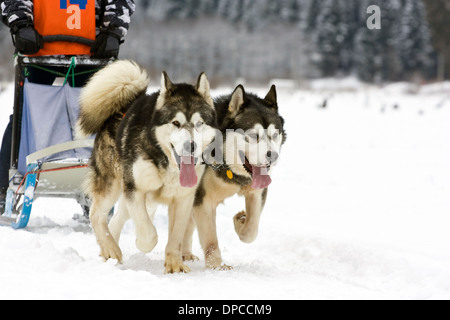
190, 147
272, 156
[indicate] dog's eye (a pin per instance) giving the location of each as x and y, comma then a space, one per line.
254, 136
275, 136
199, 125
177, 124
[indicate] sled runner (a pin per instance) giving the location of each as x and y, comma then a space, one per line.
46, 158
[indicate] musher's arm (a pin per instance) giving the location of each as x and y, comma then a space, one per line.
16, 10
18, 15
114, 25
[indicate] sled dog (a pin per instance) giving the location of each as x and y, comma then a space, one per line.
148, 151
253, 133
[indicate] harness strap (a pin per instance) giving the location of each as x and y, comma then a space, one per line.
73, 65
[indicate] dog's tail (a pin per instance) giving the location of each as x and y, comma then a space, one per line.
108, 92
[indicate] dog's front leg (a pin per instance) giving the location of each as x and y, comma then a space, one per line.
205, 218
246, 223
179, 215
187, 241
146, 234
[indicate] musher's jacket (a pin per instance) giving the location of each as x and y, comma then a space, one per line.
79, 18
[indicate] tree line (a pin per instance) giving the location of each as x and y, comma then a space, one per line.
300, 39
259, 40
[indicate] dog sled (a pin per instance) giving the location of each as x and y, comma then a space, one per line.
46, 158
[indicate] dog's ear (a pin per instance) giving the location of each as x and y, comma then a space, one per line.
166, 83
204, 89
271, 97
166, 86
237, 100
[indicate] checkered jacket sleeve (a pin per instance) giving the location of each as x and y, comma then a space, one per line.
116, 14
16, 10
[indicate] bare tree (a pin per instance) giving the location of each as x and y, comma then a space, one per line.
439, 20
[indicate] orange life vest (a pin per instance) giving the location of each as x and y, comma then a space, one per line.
68, 18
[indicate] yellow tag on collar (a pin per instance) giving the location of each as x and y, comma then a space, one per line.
230, 174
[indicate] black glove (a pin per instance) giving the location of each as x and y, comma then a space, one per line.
25, 37
107, 44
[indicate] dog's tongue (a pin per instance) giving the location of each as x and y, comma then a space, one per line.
261, 178
188, 176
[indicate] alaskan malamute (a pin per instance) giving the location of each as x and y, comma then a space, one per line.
148, 151
253, 133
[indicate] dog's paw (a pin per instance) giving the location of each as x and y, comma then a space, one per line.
147, 244
190, 257
176, 268
175, 265
247, 234
110, 250
239, 221
213, 258
218, 266
224, 267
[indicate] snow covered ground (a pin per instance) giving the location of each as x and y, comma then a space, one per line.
359, 209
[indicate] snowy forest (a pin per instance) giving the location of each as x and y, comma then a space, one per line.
258, 40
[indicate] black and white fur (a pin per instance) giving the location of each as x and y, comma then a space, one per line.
138, 154
257, 135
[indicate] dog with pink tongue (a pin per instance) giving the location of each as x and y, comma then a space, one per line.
253, 134
148, 151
